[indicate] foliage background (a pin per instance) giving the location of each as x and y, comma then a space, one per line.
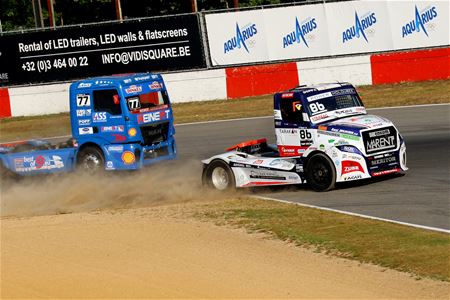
18, 14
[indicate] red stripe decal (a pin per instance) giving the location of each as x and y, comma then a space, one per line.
380, 173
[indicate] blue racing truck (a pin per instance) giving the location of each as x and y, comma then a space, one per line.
120, 122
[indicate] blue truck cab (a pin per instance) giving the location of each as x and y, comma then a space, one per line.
121, 122
126, 118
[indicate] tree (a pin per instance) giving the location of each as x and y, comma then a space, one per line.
18, 14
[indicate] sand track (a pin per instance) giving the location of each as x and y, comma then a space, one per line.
159, 252
132, 235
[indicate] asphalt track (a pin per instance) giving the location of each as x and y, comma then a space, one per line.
420, 197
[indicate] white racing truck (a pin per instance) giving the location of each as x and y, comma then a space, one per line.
324, 136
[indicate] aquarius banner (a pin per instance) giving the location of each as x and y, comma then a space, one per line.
325, 29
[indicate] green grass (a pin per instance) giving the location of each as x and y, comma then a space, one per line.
419, 252
425, 92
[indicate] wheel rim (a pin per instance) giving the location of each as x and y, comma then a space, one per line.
91, 162
219, 178
321, 174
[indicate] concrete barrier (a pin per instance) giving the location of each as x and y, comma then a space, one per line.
235, 82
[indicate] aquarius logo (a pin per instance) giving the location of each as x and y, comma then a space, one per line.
238, 41
421, 19
357, 30
301, 30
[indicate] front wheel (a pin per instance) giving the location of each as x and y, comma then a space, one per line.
91, 159
320, 173
218, 175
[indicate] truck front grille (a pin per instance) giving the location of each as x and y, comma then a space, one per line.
155, 133
380, 140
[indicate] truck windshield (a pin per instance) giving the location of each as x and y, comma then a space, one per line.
147, 101
333, 105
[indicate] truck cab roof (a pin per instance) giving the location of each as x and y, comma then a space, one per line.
122, 79
313, 88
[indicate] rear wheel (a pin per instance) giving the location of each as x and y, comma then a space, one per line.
91, 159
218, 175
320, 173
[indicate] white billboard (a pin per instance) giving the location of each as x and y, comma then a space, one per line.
418, 24
326, 29
296, 32
358, 27
236, 38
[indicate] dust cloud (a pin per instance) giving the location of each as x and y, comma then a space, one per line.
170, 182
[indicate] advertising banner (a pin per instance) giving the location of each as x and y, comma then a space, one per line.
358, 27
296, 32
236, 38
159, 44
418, 24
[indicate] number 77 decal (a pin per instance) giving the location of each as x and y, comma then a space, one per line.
83, 100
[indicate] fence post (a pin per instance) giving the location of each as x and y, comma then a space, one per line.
204, 37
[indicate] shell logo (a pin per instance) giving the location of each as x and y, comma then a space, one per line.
132, 132
128, 157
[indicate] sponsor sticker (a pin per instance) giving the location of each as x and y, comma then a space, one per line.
119, 137
319, 96
132, 89
287, 95
84, 112
113, 128
320, 117
385, 172
155, 85
153, 116
84, 122
349, 166
115, 148
109, 165
388, 158
380, 140
277, 114
83, 100
281, 163
99, 117
353, 177
254, 174
84, 85
40, 162
142, 78
85, 130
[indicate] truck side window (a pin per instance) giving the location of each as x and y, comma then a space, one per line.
291, 111
104, 101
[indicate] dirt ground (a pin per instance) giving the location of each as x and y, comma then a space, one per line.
161, 252
134, 235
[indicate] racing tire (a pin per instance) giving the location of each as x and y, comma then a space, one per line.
320, 173
218, 175
91, 160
